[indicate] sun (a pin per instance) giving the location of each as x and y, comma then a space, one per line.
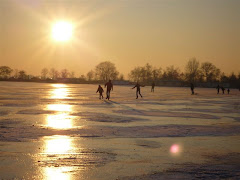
62, 31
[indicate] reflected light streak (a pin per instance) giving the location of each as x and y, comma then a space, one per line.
58, 145
60, 121
60, 107
60, 91
58, 173
59, 85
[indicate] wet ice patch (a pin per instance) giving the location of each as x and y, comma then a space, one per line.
168, 114
236, 118
6, 122
17, 98
217, 166
100, 117
174, 131
35, 112
86, 158
210, 110
4, 113
147, 144
34, 132
236, 106
17, 105
220, 166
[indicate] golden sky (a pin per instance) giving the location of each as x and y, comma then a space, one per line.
127, 32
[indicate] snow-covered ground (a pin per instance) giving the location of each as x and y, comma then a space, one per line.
63, 131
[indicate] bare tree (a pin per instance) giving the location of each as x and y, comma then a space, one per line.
148, 72
145, 74
22, 74
106, 70
82, 78
53, 73
171, 73
72, 74
232, 78
44, 73
90, 75
135, 74
121, 77
5, 71
210, 71
192, 70
57, 74
224, 78
156, 73
16, 73
64, 73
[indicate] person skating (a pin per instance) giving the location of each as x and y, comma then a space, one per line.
192, 88
228, 90
218, 88
138, 91
109, 86
153, 86
100, 90
223, 89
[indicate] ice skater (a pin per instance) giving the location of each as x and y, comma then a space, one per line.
218, 88
109, 88
192, 88
138, 86
228, 90
153, 86
223, 89
100, 90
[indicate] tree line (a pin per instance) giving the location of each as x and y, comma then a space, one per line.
194, 72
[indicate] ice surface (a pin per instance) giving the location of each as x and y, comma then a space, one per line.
64, 131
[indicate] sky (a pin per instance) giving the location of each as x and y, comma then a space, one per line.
128, 33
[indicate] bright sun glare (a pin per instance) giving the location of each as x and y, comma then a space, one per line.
62, 31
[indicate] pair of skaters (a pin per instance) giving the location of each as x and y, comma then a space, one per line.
109, 86
139, 90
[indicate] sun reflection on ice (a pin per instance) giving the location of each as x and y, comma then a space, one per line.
58, 173
60, 91
59, 107
59, 146
60, 121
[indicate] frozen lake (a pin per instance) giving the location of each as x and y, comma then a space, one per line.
63, 131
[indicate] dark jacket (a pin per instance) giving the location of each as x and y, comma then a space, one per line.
100, 90
109, 86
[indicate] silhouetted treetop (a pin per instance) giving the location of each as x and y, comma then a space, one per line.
105, 71
192, 70
5, 71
